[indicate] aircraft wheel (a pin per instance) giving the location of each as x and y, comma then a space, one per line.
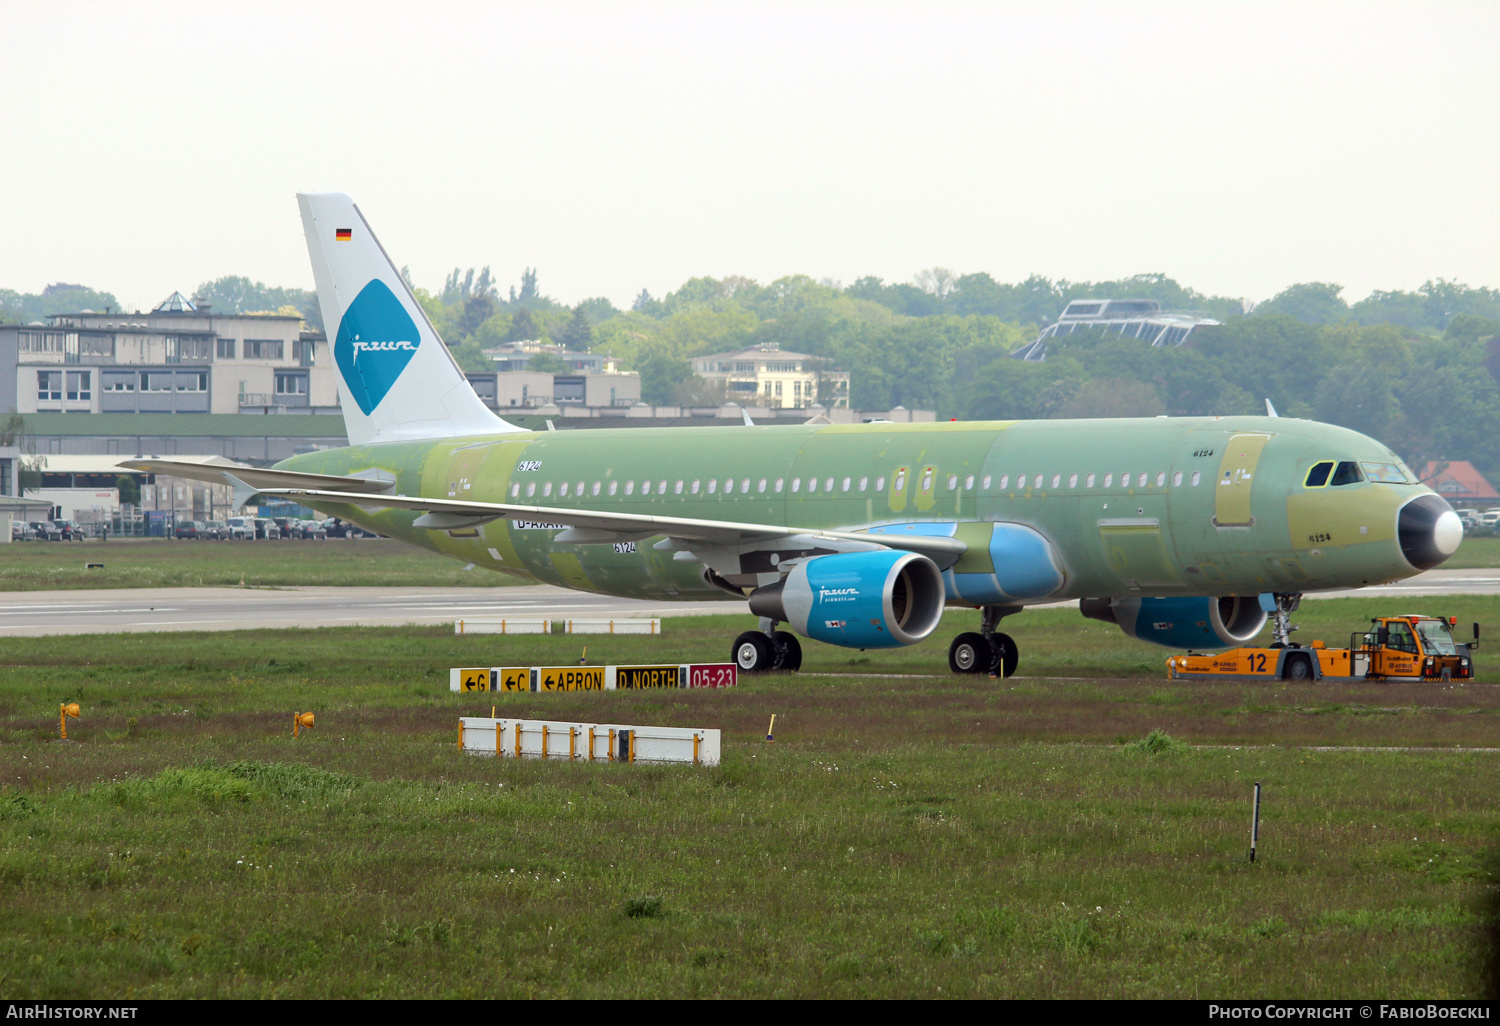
753, 653
969, 653
791, 651
1297, 669
1006, 657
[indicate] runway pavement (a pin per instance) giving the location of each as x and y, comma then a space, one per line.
37, 613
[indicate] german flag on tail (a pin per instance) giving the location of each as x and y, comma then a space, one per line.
343, 234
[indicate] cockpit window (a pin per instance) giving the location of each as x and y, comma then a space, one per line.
1317, 477
1387, 473
1347, 473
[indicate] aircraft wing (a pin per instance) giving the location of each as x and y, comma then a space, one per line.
221, 471
585, 527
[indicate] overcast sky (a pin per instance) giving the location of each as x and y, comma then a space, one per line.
1237, 147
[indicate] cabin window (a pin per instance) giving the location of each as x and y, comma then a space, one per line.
595, 489
985, 482
796, 484
745, 486
812, 484
547, 489
1088, 482
761, 485
1143, 480
515, 489
828, 485
1037, 482
952, 482
898, 483
1056, 480
1196, 477
847, 483
695, 485
729, 486
579, 489
1317, 477
1004, 481
969, 483
677, 488
926, 485
613, 487
713, 485
864, 483
1177, 479
563, 488
629, 487
780, 481
1109, 480
1347, 473
1072, 480
530, 489
880, 484
661, 487
1161, 478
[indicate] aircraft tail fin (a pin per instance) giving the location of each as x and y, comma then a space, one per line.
397, 379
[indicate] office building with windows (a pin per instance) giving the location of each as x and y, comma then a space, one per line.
766, 376
179, 358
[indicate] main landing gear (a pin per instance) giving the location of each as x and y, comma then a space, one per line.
988, 651
767, 650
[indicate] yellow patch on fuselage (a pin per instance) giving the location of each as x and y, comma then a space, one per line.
1345, 515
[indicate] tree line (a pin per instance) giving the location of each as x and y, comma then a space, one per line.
1415, 369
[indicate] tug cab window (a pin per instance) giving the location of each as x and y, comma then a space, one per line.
1347, 473
1400, 637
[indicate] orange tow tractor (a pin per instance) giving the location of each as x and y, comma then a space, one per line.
1394, 648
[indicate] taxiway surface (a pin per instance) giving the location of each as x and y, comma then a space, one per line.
36, 613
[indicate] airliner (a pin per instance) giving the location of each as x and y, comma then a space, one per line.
1186, 532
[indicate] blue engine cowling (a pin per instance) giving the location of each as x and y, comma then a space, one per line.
858, 599
1190, 623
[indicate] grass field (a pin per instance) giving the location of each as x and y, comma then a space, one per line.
163, 563
906, 835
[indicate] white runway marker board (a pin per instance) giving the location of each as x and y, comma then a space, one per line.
587, 742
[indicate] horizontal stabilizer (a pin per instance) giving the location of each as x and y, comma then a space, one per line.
221, 471
589, 526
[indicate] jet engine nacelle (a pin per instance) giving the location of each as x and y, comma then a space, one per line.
1191, 623
858, 599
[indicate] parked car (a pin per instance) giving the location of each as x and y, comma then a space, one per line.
189, 529
46, 530
266, 529
215, 529
20, 530
70, 530
290, 527
305, 529
241, 528
337, 528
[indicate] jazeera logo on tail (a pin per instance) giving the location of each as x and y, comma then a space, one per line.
376, 340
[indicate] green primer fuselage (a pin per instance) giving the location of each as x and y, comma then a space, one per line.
1163, 506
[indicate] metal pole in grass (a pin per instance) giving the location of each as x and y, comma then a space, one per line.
1255, 822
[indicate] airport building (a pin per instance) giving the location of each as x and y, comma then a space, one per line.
179, 358
766, 376
1140, 319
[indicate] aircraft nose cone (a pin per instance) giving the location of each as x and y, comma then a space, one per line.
1429, 531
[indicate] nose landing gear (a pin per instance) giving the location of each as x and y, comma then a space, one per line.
988, 651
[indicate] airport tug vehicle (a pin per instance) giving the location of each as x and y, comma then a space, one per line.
1397, 648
